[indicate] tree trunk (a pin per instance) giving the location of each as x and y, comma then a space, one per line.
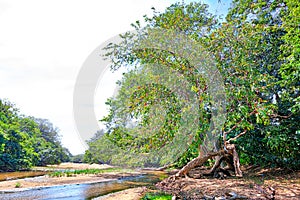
236, 162
200, 160
230, 157
216, 164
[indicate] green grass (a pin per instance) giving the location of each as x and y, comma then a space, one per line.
157, 196
70, 173
56, 174
18, 185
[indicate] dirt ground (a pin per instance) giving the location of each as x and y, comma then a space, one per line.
256, 184
129, 194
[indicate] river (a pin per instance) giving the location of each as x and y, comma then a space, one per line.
83, 191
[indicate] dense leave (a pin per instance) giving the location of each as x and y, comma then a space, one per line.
257, 53
26, 141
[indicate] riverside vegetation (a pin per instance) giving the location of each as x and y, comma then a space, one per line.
256, 49
257, 52
27, 141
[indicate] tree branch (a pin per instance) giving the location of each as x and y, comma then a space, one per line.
239, 135
234, 127
280, 116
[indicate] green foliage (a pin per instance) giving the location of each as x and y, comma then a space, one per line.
51, 151
276, 25
156, 196
18, 185
257, 52
191, 153
77, 158
155, 128
100, 148
16, 151
23, 143
69, 173
56, 174
140, 102
88, 157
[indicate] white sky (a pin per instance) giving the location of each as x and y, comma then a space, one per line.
43, 44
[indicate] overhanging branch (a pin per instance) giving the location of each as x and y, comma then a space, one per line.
236, 137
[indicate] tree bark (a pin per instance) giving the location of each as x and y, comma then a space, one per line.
216, 164
236, 160
200, 160
222, 155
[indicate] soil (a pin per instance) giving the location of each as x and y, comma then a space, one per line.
256, 183
129, 194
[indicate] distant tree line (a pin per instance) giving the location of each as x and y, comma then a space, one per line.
27, 141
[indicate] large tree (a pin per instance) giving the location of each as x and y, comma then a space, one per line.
262, 93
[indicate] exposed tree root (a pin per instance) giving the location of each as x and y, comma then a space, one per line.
200, 160
229, 156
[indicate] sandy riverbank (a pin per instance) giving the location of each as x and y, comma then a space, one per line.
129, 194
46, 181
69, 165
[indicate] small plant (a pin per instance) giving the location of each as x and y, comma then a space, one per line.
56, 174
69, 173
157, 196
163, 176
18, 185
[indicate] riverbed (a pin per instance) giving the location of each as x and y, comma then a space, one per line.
82, 191
76, 187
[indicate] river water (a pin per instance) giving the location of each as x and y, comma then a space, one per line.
83, 191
